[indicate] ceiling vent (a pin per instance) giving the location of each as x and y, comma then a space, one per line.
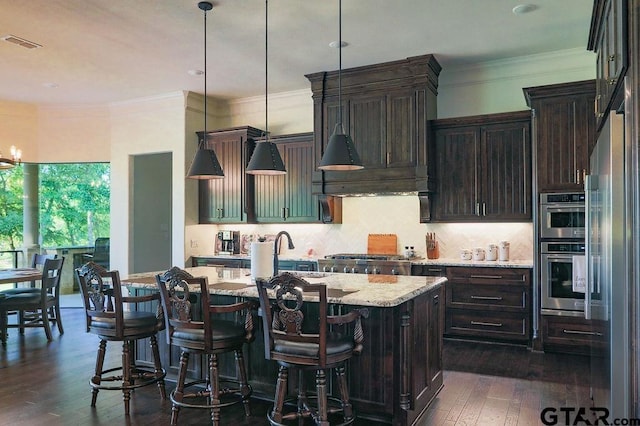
20, 41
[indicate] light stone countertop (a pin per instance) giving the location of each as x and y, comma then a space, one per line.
344, 289
475, 263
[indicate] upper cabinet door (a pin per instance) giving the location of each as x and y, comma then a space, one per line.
564, 123
289, 198
402, 127
506, 171
457, 157
229, 200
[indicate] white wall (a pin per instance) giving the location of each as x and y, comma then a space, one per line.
145, 126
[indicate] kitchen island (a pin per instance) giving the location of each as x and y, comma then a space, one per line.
400, 369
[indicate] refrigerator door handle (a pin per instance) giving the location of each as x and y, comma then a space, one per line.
588, 179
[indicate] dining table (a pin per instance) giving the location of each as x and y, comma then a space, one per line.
18, 275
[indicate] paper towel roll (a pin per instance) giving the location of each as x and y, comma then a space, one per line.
261, 260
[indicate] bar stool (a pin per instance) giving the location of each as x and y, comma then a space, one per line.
299, 339
114, 317
217, 333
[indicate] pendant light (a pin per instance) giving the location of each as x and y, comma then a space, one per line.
266, 159
10, 162
205, 164
340, 153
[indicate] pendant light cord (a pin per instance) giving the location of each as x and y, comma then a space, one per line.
204, 136
340, 61
266, 70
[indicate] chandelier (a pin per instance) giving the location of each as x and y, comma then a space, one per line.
12, 160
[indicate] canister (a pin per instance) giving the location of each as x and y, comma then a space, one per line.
503, 251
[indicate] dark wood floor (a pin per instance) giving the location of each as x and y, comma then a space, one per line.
45, 383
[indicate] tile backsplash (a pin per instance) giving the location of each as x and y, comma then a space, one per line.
377, 215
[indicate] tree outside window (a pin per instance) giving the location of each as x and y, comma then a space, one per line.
74, 205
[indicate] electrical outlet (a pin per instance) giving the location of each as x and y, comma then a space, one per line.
194, 243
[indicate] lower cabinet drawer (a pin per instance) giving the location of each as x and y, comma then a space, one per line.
496, 296
573, 334
487, 325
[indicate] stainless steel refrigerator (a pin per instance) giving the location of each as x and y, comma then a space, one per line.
607, 266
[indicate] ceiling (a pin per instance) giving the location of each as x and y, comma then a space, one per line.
97, 51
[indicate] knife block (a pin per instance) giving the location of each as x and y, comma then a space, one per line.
433, 250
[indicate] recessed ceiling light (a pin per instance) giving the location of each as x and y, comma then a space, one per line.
195, 72
50, 85
523, 8
336, 43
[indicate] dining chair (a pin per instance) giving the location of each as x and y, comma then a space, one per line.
38, 307
219, 329
114, 317
300, 334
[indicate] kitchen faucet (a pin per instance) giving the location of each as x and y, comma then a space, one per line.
276, 244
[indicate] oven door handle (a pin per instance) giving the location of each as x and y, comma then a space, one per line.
566, 256
563, 209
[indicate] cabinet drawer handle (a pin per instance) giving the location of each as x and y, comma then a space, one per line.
484, 209
491, 277
490, 324
486, 297
584, 333
434, 269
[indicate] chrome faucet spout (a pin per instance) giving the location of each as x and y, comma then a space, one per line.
276, 244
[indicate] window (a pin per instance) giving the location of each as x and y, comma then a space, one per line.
74, 203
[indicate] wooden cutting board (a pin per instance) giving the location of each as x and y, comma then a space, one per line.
382, 244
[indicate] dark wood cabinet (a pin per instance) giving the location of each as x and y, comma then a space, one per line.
428, 270
483, 168
229, 262
487, 303
220, 262
573, 335
231, 199
289, 198
607, 38
385, 109
564, 128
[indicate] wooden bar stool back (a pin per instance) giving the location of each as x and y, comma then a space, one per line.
302, 336
208, 330
114, 317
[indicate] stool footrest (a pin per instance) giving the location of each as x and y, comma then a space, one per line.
303, 410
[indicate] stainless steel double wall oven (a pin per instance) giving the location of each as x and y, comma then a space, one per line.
562, 245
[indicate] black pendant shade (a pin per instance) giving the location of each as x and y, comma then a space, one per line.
205, 165
266, 160
340, 153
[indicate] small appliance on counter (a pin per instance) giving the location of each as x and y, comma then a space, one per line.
228, 242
